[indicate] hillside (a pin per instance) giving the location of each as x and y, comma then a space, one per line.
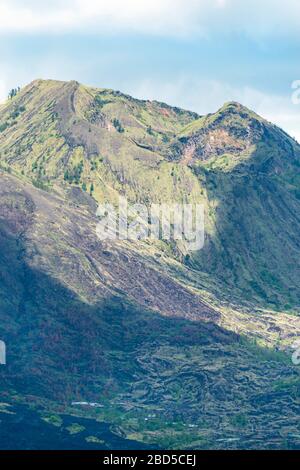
242, 168
180, 349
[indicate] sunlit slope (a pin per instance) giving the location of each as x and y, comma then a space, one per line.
243, 169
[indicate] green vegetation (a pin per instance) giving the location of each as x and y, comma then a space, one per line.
11, 119
54, 420
118, 125
38, 183
73, 175
250, 168
179, 349
75, 428
13, 92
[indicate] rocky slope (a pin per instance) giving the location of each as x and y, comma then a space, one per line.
179, 348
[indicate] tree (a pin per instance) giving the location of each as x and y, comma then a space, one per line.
149, 130
13, 92
118, 125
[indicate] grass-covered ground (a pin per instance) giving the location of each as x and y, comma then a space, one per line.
179, 349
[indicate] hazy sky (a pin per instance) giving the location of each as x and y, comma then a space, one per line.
191, 53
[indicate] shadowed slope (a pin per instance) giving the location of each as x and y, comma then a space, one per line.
135, 363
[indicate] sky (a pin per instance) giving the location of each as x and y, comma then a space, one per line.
196, 54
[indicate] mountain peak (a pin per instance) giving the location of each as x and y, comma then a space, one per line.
234, 107
102, 122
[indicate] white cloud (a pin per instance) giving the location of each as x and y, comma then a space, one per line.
167, 17
160, 17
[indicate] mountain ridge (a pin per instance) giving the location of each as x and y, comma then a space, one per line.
143, 325
111, 144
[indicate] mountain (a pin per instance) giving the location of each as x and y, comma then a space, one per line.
175, 348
